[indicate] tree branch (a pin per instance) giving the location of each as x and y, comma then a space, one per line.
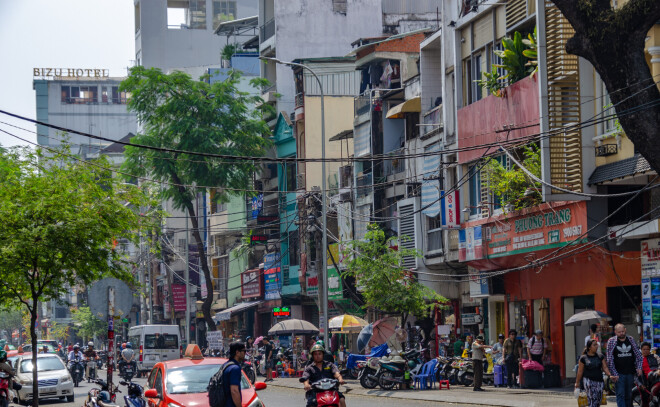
638, 16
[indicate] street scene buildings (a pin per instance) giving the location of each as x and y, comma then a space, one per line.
494, 158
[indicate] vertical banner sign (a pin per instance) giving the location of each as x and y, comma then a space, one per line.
478, 283
470, 244
335, 290
450, 204
111, 336
272, 276
651, 290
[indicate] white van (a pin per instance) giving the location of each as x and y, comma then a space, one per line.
153, 344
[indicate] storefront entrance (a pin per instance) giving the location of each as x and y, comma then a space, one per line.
574, 335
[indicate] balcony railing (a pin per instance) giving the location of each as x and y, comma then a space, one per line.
300, 100
394, 165
270, 88
434, 240
362, 105
267, 30
432, 122
220, 285
364, 183
606, 149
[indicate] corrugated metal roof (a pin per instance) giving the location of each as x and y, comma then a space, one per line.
620, 169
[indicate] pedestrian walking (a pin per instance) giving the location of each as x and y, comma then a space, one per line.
512, 353
590, 373
268, 356
232, 375
478, 348
458, 347
624, 360
537, 347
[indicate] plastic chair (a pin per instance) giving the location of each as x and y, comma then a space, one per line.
443, 383
422, 377
432, 376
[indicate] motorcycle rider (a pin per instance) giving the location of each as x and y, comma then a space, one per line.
90, 355
75, 353
320, 369
127, 356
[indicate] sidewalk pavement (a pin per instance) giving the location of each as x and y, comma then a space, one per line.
461, 395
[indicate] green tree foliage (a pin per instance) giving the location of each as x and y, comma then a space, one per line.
10, 319
88, 325
512, 185
179, 113
60, 220
384, 283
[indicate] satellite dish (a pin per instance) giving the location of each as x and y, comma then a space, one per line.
98, 297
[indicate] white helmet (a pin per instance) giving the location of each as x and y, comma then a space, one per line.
90, 344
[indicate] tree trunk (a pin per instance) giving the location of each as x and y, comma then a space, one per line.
613, 41
206, 305
35, 351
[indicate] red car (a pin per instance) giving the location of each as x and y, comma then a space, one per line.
183, 382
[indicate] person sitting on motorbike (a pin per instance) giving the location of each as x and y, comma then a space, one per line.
75, 353
317, 370
6, 367
127, 356
650, 363
91, 356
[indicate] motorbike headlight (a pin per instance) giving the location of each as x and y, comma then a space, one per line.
256, 403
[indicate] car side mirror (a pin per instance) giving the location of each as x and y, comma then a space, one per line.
260, 385
152, 394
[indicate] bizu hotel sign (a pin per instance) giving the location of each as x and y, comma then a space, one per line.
70, 73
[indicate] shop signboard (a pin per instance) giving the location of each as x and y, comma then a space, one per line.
214, 339
470, 244
451, 214
179, 297
478, 283
282, 312
312, 280
257, 205
546, 228
251, 285
272, 276
335, 290
471, 319
650, 264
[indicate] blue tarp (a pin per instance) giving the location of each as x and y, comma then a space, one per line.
376, 352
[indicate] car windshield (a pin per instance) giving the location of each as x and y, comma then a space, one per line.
43, 365
194, 379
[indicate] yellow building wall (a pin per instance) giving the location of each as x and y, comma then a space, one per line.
339, 112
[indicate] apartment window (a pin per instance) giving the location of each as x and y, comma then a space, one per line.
118, 98
186, 14
339, 6
474, 189
216, 206
223, 10
477, 92
290, 177
137, 18
606, 109
294, 248
79, 94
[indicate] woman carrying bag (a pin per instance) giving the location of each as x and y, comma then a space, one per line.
590, 373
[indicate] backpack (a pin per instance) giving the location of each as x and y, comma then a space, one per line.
216, 388
533, 341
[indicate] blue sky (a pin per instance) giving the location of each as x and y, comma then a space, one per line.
57, 33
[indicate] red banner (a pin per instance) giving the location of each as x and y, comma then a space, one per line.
252, 284
179, 296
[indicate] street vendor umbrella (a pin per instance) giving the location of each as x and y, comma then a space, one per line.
347, 323
377, 333
580, 317
293, 327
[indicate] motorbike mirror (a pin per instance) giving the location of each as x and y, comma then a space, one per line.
152, 394
257, 386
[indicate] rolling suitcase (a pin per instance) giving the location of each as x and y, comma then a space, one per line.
533, 379
499, 376
551, 376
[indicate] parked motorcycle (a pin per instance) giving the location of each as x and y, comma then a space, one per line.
5, 396
367, 372
399, 370
327, 392
101, 396
91, 367
77, 370
446, 370
134, 397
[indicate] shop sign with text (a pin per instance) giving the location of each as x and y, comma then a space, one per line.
251, 284
335, 290
546, 228
70, 73
272, 276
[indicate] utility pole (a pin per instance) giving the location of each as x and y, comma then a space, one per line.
186, 277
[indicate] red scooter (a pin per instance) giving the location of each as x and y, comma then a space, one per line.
327, 392
4, 389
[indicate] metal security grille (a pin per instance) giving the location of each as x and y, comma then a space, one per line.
563, 103
407, 233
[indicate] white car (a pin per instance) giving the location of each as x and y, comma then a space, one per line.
54, 378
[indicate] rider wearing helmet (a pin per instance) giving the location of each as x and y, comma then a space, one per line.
317, 370
127, 355
4, 366
75, 353
90, 355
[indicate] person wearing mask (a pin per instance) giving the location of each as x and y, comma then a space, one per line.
75, 354
231, 377
497, 349
458, 347
268, 355
537, 347
478, 348
512, 353
317, 370
624, 360
91, 356
590, 373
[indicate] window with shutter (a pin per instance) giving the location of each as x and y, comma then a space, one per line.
407, 232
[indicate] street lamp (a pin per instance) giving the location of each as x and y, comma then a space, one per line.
324, 257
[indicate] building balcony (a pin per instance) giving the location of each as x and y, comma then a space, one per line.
269, 93
299, 113
517, 109
364, 185
395, 165
432, 122
362, 104
267, 30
